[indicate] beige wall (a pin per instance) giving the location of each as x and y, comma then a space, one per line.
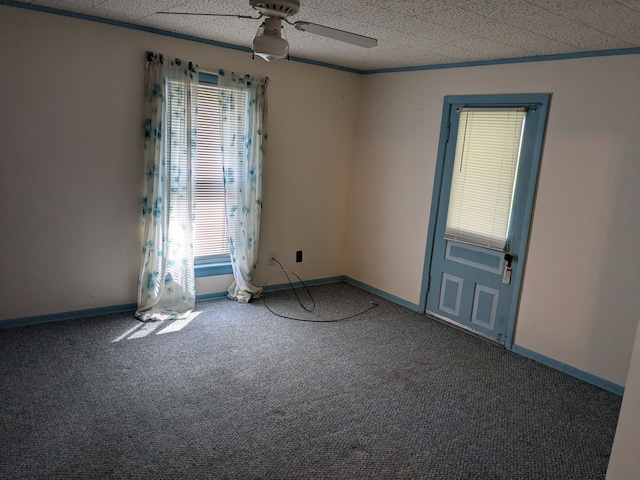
580, 293
71, 161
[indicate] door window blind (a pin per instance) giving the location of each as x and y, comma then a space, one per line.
483, 181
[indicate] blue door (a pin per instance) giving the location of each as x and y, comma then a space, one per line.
488, 161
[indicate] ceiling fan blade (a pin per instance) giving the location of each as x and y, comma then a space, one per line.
341, 35
211, 15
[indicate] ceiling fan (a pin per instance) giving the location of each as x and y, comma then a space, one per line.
269, 43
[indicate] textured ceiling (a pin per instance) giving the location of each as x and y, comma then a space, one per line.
409, 32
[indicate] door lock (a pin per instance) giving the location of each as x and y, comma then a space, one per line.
506, 276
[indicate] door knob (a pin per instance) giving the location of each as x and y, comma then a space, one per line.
509, 258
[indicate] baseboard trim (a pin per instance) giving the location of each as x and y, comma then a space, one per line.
88, 313
309, 283
387, 296
131, 307
569, 370
72, 315
356, 283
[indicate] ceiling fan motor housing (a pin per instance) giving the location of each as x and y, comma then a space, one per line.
276, 8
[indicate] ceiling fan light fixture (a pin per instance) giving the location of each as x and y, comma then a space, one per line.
268, 43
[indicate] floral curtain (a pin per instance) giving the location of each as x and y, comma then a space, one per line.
166, 287
242, 163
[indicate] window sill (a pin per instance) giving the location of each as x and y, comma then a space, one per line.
213, 269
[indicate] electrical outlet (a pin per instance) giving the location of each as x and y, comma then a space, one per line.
298, 256
272, 257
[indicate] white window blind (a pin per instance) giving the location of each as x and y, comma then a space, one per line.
485, 166
211, 239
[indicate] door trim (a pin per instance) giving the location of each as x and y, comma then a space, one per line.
541, 101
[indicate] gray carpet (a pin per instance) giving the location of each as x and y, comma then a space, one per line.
241, 393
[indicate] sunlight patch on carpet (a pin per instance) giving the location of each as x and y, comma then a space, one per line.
141, 330
178, 325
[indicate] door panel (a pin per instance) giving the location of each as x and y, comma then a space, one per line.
469, 287
471, 284
451, 294
485, 306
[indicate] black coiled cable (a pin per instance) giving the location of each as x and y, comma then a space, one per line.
313, 303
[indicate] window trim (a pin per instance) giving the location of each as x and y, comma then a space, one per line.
211, 269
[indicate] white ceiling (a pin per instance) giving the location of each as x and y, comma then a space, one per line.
409, 32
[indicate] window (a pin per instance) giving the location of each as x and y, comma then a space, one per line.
484, 172
211, 244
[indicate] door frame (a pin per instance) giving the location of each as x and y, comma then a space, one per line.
541, 101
